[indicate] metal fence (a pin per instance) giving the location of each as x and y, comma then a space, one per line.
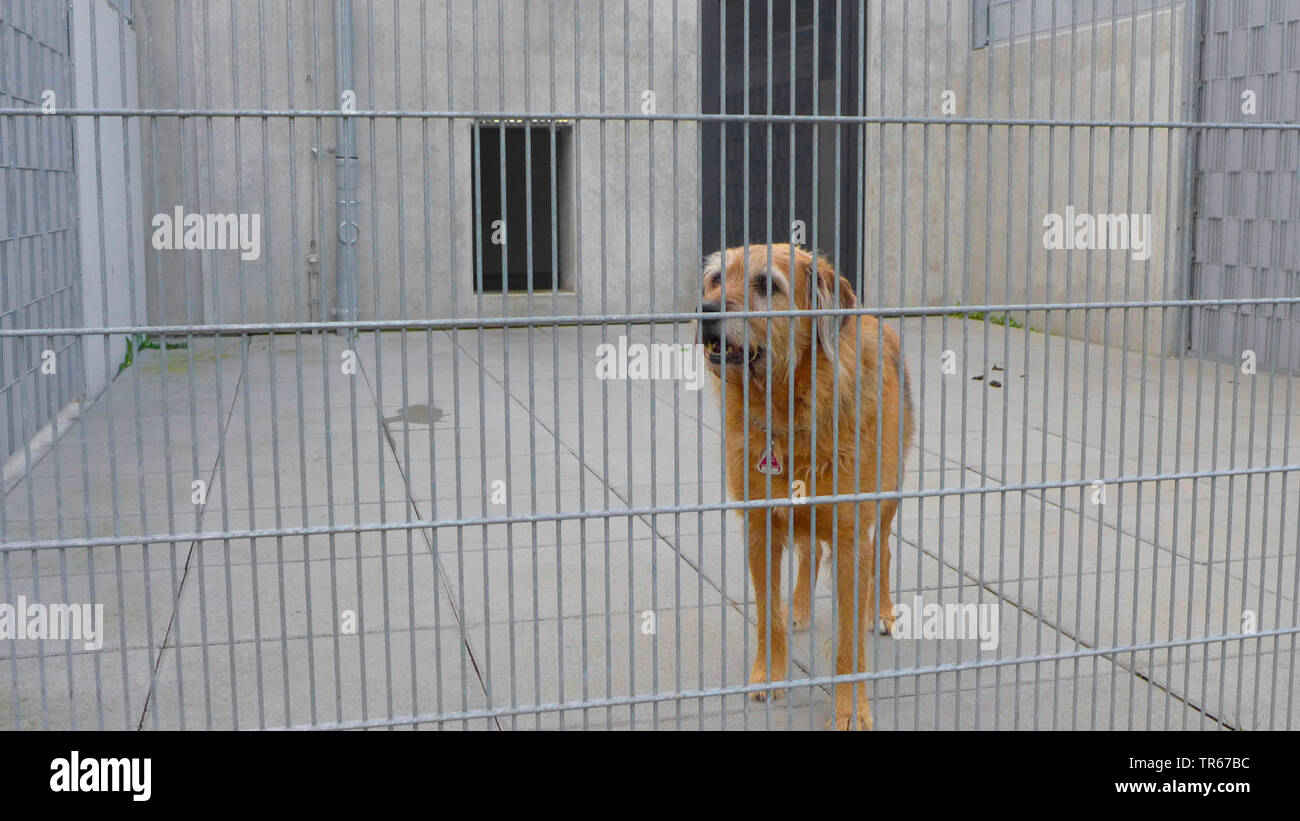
38, 164
351, 361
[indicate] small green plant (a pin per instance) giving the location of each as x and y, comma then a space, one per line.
152, 345
1005, 319
140, 342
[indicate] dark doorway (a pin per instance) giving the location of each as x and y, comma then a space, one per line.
806, 152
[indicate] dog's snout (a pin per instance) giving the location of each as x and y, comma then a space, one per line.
711, 326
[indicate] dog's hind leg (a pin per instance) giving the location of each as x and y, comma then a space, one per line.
881, 537
807, 579
765, 574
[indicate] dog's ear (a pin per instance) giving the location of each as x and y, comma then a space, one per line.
833, 291
713, 262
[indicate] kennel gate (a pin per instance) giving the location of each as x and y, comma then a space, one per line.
336, 472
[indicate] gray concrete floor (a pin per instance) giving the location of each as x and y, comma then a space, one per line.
255, 632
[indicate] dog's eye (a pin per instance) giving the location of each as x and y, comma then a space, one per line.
712, 279
762, 283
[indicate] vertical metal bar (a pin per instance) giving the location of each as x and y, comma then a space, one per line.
654, 462
7, 166
384, 452
677, 413
1105, 361
348, 341
347, 168
135, 381
1214, 461
41, 292
378, 389
604, 388
431, 537
627, 299
747, 524
462, 639
922, 358
1006, 332
1025, 340
902, 381
965, 346
699, 411
580, 287
224, 425
289, 52
241, 389
15, 235
722, 250
876, 544
478, 220
1167, 289
1124, 360
790, 536
555, 183
373, 140
1065, 375
984, 343
1187, 206
812, 446
112, 437
532, 393
1261, 206
197, 547
861, 587
300, 397
1282, 510
1087, 341
769, 148
216, 342
505, 362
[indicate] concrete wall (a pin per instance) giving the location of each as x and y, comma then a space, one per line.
964, 222
954, 214
416, 176
109, 201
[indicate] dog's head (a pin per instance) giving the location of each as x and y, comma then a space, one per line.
769, 278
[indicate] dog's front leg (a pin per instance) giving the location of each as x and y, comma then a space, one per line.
854, 574
765, 573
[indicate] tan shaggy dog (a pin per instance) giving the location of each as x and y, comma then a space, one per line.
868, 407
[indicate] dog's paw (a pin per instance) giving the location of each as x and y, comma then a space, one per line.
848, 721
885, 624
759, 676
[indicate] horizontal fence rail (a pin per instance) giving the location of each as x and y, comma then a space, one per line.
623, 513
469, 323
630, 116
